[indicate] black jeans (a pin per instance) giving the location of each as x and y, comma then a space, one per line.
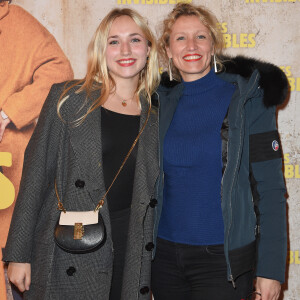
187, 272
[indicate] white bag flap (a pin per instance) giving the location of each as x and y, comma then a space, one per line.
84, 217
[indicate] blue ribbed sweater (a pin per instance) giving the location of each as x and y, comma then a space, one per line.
193, 166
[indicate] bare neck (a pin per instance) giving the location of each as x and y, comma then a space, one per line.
124, 99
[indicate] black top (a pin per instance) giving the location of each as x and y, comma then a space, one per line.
118, 133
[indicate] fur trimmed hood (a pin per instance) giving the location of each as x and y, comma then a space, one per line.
272, 80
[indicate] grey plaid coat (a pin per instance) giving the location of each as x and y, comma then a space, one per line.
67, 153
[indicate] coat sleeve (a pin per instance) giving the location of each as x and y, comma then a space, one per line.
268, 187
45, 66
38, 171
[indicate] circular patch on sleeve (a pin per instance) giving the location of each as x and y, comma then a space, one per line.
275, 145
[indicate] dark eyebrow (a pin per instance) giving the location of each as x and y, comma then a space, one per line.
116, 36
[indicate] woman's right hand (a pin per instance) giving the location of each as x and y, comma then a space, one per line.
20, 275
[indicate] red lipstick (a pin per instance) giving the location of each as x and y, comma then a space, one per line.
126, 62
192, 57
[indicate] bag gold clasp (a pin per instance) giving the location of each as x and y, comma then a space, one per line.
78, 231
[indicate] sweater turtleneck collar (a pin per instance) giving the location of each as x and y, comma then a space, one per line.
200, 85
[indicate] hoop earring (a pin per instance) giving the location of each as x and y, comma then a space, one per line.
215, 64
170, 69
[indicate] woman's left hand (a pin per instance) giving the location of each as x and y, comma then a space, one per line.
268, 288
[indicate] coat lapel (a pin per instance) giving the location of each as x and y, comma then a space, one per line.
87, 145
168, 107
146, 170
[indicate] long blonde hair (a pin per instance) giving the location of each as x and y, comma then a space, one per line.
98, 77
205, 16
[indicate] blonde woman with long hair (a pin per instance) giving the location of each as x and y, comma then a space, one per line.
76, 162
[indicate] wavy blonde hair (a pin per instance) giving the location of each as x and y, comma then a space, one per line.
205, 16
98, 77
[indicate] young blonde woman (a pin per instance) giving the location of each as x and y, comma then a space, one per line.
84, 132
221, 201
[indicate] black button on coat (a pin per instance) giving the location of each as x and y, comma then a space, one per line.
79, 183
71, 271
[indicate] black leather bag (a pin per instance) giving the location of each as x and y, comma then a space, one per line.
80, 238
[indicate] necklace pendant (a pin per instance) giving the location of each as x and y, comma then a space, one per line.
124, 103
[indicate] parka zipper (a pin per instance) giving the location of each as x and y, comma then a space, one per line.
234, 175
